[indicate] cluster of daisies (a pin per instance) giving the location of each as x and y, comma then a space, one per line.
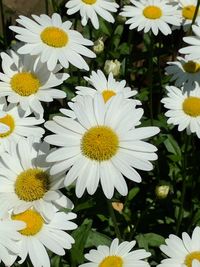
97, 140
94, 142
183, 98
154, 15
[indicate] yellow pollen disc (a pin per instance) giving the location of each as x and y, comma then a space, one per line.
89, 2
55, 37
188, 12
112, 261
191, 67
99, 143
107, 94
9, 121
190, 257
191, 106
31, 184
33, 220
152, 12
25, 83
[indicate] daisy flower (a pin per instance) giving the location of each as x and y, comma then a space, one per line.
182, 252
183, 109
187, 9
27, 81
154, 15
89, 9
26, 182
193, 50
18, 125
119, 255
184, 72
101, 145
107, 87
53, 40
8, 241
39, 234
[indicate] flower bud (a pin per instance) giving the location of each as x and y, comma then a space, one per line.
118, 206
112, 66
98, 46
162, 191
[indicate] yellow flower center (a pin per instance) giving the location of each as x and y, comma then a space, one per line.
152, 12
107, 94
188, 12
191, 67
9, 121
55, 37
190, 257
99, 143
33, 220
25, 83
112, 261
191, 106
89, 2
31, 184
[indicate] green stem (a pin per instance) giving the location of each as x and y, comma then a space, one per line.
194, 17
54, 5
47, 6
160, 79
184, 175
128, 57
196, 12
3, 22
114, 220
150, 76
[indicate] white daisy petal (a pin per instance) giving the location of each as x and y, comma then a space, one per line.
116, 255
183, 108
152, 15
44, 42
100, 153
90, 9
34, 239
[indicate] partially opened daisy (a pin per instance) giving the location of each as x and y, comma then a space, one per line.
28, 82
101, 144
187, 9
193, 50
154, 15
26, 182
183, 251
9, 247
40, 234
18, 125
118, 255
90, 9
184, 72
108, 87
53, 40
183, 108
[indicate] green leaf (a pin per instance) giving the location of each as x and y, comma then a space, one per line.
149, 240
172, 146
80, 235
105, 27
95, 239
85, 205
133, 192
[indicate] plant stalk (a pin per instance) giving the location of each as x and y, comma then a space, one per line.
114, 220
